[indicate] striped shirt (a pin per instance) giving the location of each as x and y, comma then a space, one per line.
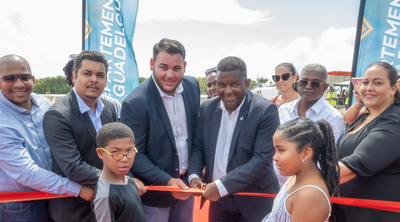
279, 212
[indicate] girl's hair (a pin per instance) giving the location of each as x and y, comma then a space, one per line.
319, 136
292, 70
392, 76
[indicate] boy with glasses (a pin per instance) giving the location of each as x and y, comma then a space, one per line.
117, 196
312, 104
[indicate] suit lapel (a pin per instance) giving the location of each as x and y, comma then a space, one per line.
214, 131
244, 110
104, 117
155, 95
84, 118
188, 116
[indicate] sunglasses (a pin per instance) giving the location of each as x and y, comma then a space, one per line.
314, 84
208, 71
118, 155
285, 77
11, 79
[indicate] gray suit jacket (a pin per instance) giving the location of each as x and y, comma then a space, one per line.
249, 166
72, 140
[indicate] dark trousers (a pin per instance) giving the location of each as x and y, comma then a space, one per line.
225, 210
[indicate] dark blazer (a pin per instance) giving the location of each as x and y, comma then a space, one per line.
72, 140
157, 161
249, 166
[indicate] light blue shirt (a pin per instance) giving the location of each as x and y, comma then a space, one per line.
94, 116
25, 159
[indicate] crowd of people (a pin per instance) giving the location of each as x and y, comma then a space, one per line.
295, 144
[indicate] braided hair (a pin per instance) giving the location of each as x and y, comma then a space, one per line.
319, 137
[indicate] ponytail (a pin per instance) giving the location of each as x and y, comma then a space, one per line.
318, 136
328, 158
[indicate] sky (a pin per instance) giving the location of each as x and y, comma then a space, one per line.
263, 33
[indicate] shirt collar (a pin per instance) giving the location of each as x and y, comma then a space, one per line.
222, 105
317, 107
83, 107
178, 89
16, 108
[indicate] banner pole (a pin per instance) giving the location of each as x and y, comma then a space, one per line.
83, 23
356, 47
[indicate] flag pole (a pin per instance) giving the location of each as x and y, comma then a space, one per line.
83, 23
356, 47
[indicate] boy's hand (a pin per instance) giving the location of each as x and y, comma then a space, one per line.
142, 189
86, 193
179, 183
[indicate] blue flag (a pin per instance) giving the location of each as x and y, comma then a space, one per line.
379, 39
109, 28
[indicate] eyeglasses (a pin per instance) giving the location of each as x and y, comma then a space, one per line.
208, 71
314, 84
118, 155
285, 77
11, 79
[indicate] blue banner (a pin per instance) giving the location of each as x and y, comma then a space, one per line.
109, 29
379, 39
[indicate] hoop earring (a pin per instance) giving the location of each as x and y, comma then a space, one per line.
304, 161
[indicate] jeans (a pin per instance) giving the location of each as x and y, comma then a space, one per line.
26, 211
180, 211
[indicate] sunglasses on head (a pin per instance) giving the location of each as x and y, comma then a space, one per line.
314, 84
11, 79
208, 71
285, 77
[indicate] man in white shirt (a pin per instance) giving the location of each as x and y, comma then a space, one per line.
234, 142
162, 112
312, 104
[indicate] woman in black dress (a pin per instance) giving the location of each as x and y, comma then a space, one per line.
369, 150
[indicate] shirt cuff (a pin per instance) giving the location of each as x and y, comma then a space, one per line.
73, 189
221, 188
192, 176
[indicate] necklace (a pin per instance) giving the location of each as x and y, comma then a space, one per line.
380, 112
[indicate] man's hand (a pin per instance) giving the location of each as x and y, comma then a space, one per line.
195, 183
142, 189
86, 193
179, 183
211, 192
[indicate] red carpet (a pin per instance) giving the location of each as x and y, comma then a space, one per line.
200, 215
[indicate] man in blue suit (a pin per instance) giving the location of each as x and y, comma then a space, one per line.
234, 142
162, 113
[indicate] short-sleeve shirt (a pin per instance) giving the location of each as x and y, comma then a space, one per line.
117, 202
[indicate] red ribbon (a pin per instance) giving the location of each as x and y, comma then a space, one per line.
7, 197
373, 204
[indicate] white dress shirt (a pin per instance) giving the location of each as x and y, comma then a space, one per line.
226, 129
320, 110
177, 116
94, 116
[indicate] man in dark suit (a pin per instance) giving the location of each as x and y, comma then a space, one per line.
234, 142
70, 127
162, 114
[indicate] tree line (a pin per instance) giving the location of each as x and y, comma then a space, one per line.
58, 84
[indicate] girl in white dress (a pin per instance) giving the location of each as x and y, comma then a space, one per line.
305, 151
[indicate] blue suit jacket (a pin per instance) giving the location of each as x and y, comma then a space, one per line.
249, 166
157, 161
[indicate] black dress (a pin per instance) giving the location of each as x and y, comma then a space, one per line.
373, 153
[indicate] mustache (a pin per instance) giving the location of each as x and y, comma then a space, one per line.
92, 86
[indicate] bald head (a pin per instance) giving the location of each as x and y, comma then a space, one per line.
13, 60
